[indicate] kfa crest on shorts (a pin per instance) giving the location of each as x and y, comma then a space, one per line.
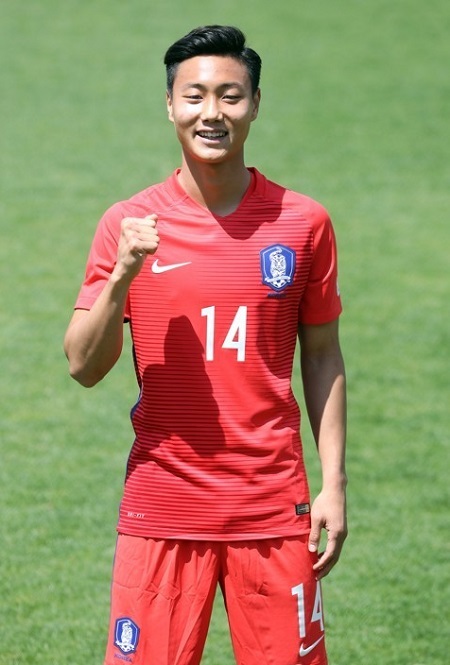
277, 266
126, 635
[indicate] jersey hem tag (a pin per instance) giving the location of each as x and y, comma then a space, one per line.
301, 508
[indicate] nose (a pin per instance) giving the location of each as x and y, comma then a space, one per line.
211, 111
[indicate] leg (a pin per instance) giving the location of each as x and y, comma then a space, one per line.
274, 603
161, 601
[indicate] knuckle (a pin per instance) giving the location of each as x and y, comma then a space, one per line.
126, 225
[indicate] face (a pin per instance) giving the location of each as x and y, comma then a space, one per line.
212, 106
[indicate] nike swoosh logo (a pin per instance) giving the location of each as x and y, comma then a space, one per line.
304, 651
157, 269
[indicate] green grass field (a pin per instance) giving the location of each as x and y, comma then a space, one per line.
355, 108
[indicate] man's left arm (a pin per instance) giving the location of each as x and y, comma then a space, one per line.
324, 388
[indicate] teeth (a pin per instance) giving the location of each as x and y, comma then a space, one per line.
212, 135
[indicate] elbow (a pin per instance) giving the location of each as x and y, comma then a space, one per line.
82, 375
88, 368
85, 379
82, 371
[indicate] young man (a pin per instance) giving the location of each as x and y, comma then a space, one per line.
218, 270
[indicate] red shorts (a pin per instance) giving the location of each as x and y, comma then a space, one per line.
163, 593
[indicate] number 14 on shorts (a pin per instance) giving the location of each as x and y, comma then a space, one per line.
316, 616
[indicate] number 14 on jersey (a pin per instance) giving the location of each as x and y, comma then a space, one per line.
235, 338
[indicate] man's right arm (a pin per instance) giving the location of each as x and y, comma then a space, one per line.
94, 338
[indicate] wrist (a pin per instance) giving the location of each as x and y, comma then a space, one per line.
120, 278
117, 287
336, 481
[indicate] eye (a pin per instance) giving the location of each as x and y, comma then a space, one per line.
193, 98
232, 98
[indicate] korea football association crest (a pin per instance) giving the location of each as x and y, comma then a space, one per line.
126, 635
277, 266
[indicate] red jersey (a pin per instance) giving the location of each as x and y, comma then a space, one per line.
214, 316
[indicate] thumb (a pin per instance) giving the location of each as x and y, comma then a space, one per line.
151, 218
314, 539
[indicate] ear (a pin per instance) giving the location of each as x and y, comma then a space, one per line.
256, 102
169, 106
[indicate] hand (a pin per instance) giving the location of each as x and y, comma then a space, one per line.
138, 237
328, 512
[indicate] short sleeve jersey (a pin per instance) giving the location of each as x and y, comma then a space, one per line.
214, 318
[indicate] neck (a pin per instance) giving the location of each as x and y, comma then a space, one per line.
218, 187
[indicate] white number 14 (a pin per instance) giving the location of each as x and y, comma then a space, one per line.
235, 337
317, 614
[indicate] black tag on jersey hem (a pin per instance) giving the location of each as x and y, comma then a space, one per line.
301, 508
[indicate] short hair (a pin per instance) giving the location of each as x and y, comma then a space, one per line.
222, 40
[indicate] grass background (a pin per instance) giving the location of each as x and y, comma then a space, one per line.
355, 110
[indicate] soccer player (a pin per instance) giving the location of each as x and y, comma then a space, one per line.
218, 271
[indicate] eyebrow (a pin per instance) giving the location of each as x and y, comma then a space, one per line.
204, 88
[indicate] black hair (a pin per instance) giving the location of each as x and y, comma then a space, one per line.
213, 40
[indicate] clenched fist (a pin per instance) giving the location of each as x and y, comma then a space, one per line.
138, 237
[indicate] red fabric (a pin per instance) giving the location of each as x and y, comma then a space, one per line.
217, 454
166, 590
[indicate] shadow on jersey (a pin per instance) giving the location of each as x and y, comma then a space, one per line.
178, 403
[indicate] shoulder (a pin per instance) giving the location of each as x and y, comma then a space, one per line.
289, 200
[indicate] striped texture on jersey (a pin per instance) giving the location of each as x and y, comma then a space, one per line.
217, 453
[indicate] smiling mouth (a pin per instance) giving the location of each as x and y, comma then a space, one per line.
212, 135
